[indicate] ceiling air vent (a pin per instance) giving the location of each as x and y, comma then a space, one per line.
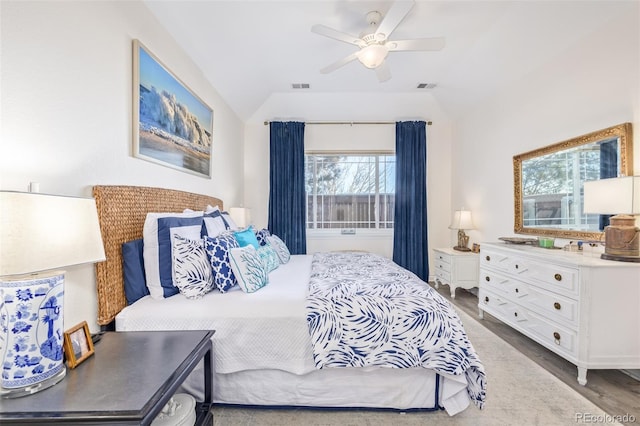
426, 85
300, 85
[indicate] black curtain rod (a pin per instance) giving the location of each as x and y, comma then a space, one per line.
266, 122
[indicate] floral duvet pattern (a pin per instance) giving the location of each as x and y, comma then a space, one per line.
365, 310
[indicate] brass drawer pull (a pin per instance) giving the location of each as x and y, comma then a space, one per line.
557, 305
488, 258
558, 277
556, 337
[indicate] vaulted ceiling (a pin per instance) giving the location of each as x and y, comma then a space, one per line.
249, 50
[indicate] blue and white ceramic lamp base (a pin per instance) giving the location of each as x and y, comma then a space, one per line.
31, 333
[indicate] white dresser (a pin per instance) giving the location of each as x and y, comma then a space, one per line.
583, 308
455, 268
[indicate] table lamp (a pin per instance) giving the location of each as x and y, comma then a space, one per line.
241, 216
39, 233
461, 221
620, 197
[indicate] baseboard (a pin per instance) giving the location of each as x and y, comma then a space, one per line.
632, 373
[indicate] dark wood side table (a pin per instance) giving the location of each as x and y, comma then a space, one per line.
128, 380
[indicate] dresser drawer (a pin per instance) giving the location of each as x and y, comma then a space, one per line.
557, 337
556, 307
549, 276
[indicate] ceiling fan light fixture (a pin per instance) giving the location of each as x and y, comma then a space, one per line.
373, 55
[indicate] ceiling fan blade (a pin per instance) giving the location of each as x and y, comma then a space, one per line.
334, 66
392, 19
337, 35
434, 43
383, 72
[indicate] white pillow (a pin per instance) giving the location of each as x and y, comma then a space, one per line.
213, 221
280, 247
249, 269
157, 235
191, 269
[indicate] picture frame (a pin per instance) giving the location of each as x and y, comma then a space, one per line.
475, 248
172, 126
78, 345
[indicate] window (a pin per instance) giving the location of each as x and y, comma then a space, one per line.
350, 191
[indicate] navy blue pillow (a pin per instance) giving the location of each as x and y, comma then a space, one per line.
135, 283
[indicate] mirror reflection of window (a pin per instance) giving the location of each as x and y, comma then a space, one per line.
549, 182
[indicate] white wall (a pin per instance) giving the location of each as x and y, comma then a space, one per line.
353, 107
593, 85
66, 111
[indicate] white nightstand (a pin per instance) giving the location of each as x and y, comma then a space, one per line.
455, 268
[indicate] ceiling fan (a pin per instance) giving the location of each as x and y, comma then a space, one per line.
374, 42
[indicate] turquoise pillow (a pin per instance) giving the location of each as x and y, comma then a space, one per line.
247, 237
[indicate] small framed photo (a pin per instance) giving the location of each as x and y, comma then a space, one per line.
475, 248
78, 345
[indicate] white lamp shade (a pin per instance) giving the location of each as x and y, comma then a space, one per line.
241, 216
373, 55
461, 220
40, 232
613, 196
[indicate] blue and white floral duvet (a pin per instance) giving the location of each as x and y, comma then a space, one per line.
364, 310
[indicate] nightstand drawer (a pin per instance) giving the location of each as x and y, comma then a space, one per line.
442, 266
443, 276
440, 257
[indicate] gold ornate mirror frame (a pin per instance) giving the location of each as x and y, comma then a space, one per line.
625, 144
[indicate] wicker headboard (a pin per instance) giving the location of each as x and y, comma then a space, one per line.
122, 211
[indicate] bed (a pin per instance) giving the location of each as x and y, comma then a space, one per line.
264, 352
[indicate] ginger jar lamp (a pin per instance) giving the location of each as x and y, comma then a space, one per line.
39, 233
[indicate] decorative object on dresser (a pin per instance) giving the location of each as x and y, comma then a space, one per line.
461, 221
584, 309
38, 234
456, 269
619, 196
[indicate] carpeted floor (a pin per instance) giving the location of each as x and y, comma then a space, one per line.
519, 392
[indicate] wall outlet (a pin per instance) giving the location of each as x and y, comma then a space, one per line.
348, 231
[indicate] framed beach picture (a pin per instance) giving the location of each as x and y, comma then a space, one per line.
171, 125
78, 345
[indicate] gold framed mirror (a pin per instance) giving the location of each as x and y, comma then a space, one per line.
548, 182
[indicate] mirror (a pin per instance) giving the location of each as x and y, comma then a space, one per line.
548, 182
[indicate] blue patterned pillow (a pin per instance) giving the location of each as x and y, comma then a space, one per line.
249, 269
262, 235
217, 249
269, 257
157, 235
191, 268
280, 247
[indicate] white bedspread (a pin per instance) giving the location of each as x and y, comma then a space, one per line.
279, 341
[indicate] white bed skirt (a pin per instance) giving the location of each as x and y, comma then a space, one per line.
336, 388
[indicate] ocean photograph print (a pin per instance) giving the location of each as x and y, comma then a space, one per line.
171, 125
